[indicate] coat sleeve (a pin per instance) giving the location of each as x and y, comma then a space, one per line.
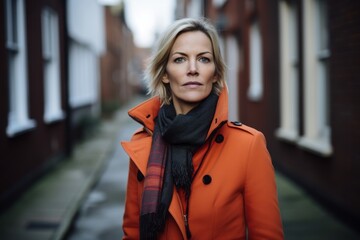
261, 202
132, 211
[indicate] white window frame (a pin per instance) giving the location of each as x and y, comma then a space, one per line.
84, 75
289, 72
218, 3
255, 90
195, 9
51, 58
18, 116
232, 58
317, 132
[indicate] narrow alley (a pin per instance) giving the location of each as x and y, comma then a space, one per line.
71, 70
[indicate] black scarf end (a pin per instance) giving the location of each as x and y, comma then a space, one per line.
182, 175
153, 223
148, 226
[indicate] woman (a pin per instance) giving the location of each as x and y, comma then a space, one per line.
192, 173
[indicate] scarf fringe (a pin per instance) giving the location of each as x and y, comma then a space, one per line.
182, 173
153, 223
148, 228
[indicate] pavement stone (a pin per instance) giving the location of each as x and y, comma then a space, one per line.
304, 219
47, 208
100, 216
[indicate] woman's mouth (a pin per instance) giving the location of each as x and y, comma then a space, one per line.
192, 83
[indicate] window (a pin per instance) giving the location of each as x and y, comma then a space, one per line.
52, 89
219, 3
232, 58
18, 119
195, 9
316, 54
83, 72
255, 90
289, 72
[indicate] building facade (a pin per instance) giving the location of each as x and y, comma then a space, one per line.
50, 87
33, 91
118, 67
86, 44
297, 81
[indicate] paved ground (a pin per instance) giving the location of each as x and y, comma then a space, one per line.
304, 219
100, 217
82, 199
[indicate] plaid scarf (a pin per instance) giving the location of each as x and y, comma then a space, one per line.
175, 139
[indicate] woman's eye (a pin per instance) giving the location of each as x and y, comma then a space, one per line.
179, 60
204, 59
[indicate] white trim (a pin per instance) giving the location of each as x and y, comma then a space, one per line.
289, 82
218, 3
232, 58
316, 127
322, 148
84, 72
289, 135
15, 128
195, 9
51, 56
18, 119
255, 90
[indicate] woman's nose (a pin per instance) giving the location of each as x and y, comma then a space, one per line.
193, 68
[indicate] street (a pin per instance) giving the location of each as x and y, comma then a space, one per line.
100, 216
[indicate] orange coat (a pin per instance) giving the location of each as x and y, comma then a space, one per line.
233, 190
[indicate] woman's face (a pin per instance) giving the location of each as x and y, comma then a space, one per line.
190, 70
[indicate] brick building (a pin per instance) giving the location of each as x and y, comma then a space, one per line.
118, 81
296, 77
50, 83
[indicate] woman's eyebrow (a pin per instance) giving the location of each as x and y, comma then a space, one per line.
184, 54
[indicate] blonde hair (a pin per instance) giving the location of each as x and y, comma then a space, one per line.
157, 65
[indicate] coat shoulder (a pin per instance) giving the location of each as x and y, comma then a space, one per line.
242, 127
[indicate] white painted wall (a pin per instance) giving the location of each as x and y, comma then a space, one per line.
86, 27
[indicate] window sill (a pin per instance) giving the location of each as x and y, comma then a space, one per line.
254, 94
317, 146
15, 128
287, 135
51, 118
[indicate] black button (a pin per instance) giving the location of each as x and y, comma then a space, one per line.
237, 123
219, 138
140, 176
207, 179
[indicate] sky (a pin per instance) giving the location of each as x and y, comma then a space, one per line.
146, 18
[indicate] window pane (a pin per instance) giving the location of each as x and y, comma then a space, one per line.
255, 90
52, 86
46, 34
323, 25
11, 24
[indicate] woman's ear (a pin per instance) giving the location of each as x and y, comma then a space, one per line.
215, 79
165, 78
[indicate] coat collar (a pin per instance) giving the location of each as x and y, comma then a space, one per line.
146, 112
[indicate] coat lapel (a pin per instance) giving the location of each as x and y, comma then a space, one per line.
139, 151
